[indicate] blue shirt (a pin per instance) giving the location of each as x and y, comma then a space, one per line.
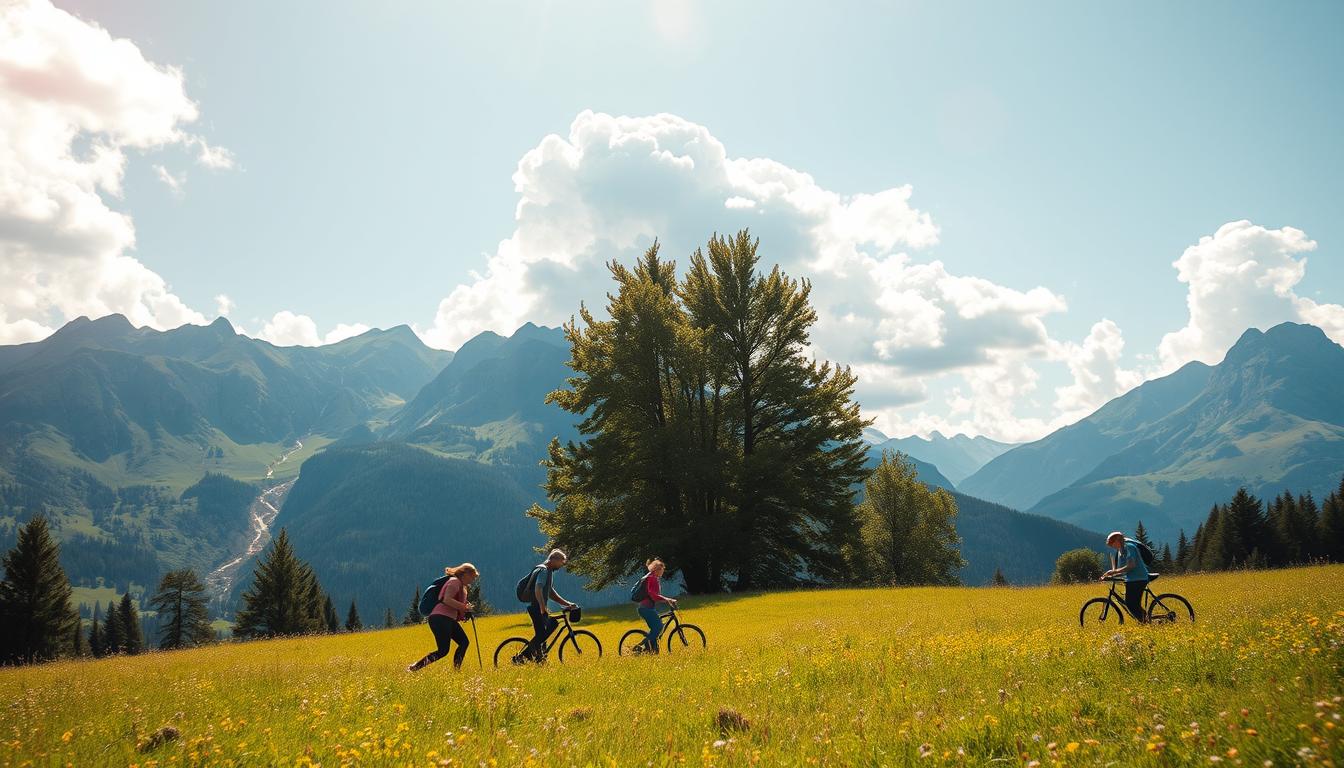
1130, 554
543, 576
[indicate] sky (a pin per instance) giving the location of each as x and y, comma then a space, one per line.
1009, 213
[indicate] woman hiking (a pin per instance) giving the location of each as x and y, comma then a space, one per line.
449, 611
648, 607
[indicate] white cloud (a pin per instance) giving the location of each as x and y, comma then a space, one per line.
1098, 375
287, 329
223, 305
73, 100
615, 183
174, 183
1242, 277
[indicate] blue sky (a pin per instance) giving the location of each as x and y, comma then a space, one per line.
1075, 148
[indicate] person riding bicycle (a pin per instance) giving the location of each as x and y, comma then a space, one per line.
648, 607
541, 590
1129, 563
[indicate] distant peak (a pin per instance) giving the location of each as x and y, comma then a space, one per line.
221, 324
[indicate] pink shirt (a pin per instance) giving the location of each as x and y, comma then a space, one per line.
453, 589
654, 594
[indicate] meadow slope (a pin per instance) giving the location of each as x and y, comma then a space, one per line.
853, 677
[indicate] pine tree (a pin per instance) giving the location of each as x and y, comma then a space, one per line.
1308, 522
480, 606
1182, 552
413, 613
1245, 528
284, 597
1141, 536
1330, 527
77, 647
999, 580
95, 634
114, 631
352, 622
908, 534
34, 598
329, 617
133, 639
388, 620
735, 452
1166, 563
181, 603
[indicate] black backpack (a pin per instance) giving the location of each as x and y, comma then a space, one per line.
1145, 551
640, 592
527, 586
430, 598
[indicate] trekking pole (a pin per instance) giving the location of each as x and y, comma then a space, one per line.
476, 639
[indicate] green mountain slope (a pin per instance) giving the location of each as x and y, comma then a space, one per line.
1270, 417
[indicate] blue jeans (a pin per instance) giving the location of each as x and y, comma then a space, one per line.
655, 622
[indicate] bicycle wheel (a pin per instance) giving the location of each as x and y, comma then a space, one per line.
1100, 610
1170, 608
686, 638
632, 643
581, 647
509, 649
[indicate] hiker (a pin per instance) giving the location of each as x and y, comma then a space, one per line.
445, 620
648, 607
538, 590
1128, 562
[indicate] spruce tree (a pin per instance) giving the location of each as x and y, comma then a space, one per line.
388, 620
352, 622
1166, 563
34, 598
1182, 552
284, 597
77, 646
999, 580
413, 613
183, 611
114, 631
95, 634
1308, 521
133, 641
1330, 527
1141, 536
329, 617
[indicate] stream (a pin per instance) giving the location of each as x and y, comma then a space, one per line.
263, 510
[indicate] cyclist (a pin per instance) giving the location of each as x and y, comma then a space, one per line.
449, 611
1128, 563
648, 607
541, 590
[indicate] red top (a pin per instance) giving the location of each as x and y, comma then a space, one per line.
451, 588
654, 594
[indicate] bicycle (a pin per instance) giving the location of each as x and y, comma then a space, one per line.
580, 644
1167, 607
688, 637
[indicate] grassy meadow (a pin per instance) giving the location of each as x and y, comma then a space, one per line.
851, 677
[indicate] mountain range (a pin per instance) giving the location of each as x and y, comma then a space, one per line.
1269, 417
144, 448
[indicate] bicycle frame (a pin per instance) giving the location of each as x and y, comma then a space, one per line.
563, 629
1146, 601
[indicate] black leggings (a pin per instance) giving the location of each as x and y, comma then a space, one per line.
446, 632
1134, 599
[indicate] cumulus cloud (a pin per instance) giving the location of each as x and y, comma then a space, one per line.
1243, 276
613, 184
287, 329
223, 305
73, 100
1098, 375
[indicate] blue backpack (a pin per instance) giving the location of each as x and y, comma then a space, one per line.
640, 592
430, 598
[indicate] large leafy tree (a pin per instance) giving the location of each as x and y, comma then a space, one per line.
181, 603
35, 598
284, 597
709, 437
909, 529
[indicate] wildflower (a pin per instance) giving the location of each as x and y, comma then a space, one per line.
925, 749
67, 736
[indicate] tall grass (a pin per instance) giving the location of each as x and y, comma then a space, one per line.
852, 677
